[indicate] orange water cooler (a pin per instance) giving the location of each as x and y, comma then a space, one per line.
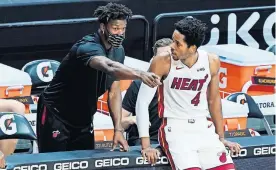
249, 70
14, 83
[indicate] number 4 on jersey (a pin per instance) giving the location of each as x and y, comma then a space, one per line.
196, 99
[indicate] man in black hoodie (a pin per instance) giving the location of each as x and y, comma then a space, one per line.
93, 65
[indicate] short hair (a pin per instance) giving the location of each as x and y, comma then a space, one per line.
112, 11
193, 29
161, 43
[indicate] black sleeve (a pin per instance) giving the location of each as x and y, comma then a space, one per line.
129, 101
87, 51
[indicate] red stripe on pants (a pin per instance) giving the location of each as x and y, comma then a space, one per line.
164, 143
44, 113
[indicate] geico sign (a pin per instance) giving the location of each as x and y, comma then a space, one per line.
71, 165
111, 162
161, 160
31, 167
243, 152
265, 150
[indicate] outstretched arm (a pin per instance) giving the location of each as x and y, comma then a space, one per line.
122, 72
93, 55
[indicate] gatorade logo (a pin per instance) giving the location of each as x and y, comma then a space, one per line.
7, 124
44, 71
222, 78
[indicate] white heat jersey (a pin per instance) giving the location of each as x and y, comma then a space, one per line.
183, 93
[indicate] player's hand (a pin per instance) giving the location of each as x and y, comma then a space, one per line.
150, 79
233, 146
2, 160
118, 138
151, 155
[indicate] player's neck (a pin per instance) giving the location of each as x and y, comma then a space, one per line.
190, 60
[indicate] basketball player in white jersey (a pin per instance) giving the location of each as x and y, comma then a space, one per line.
189, 92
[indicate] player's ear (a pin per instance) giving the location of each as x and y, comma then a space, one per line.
102, 27
192, 48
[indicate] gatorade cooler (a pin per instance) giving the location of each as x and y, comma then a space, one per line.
234, 115
246, 69
15, 84
103, 127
